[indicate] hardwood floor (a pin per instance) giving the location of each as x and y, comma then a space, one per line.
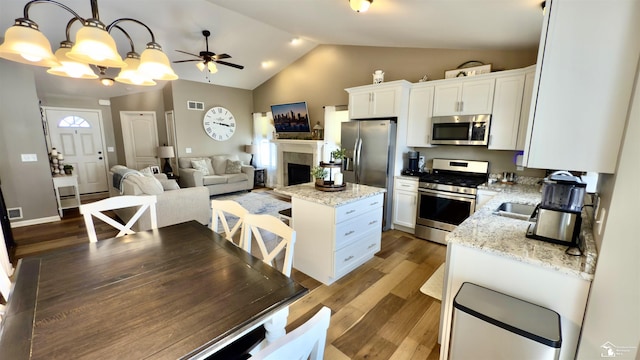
378, 311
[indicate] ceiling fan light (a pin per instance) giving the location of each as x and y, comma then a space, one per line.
24, 43
200, 66
130, 75
70, 67
360, 5
155, 64
211, 66
106, 82
94, 45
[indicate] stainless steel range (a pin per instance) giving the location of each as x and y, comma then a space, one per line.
447, 196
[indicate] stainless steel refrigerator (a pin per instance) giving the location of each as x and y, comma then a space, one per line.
370, 146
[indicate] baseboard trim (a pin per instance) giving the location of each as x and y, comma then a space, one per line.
35, 221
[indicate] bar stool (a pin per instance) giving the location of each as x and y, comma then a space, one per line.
285, 216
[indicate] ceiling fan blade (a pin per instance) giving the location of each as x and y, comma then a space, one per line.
230, 64
221, 56
188, 53
181, 61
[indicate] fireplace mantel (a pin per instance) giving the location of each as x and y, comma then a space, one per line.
313, 147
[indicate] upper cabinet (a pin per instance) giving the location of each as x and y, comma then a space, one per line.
463, 97
511, 102
378, 100
587, 58
420, 111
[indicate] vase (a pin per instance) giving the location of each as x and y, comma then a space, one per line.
320, 182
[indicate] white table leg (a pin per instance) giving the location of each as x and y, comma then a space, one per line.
275, 326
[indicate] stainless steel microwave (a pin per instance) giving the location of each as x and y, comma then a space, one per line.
460, 130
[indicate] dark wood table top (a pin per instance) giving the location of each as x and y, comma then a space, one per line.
162, 294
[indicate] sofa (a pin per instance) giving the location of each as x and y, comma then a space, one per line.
219, 174
174, 204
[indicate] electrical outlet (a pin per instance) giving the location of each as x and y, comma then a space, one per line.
599, 223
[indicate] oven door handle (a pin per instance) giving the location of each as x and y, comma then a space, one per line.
440, 194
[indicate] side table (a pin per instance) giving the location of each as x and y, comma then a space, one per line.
259, 177
66, 202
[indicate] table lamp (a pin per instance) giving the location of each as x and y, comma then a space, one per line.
166, 152
250, 149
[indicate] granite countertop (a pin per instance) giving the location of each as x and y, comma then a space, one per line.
505, 236
352, 192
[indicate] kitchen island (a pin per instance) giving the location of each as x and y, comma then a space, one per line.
335, 231
492, 251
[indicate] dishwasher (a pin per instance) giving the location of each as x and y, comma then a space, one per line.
491, 325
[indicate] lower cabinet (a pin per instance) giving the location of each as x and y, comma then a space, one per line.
333, 241
405, 199
482, 196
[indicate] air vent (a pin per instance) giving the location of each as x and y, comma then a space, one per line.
195, 105
15, 213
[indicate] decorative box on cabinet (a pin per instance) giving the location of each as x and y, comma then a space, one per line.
581, 100
464, 97
379, 100
405, 200
420, 112
332, 241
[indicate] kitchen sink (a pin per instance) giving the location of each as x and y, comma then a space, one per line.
515, 210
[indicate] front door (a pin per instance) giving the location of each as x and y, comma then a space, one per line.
140, 137
78, 135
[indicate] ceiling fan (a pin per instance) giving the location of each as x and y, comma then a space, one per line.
207, 59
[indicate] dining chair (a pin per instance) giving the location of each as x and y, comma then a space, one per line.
220, 211
284, 238
95, 209
305, 342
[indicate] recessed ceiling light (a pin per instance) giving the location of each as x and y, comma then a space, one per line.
295, 41
267, 64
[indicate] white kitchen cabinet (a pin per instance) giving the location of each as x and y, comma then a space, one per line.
375, 101
405, 200
525, 110
482, 196
331, 241
505, 119
587, 57
464, 97
420, 112
546, 287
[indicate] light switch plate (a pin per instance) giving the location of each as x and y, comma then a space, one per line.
29, 157
110, 149
188, 150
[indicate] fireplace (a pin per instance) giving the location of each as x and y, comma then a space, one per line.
307, 153
298, 174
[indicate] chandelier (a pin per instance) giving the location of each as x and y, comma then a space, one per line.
93, 46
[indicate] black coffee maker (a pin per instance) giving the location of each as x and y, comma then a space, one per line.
413, 157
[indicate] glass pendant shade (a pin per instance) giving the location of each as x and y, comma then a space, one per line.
200, 66
211, 66
360, 5
27, 45
70, 67
155, 64
130, 74
94, 45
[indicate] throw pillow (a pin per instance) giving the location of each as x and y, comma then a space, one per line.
201, 166
220, 162
169, 184
147, 171
233, 167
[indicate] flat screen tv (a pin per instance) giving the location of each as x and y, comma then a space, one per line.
292, 117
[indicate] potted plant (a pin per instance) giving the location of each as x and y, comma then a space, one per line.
68, 169
319, 174
338, 154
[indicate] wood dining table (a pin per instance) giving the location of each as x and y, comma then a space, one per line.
181, 291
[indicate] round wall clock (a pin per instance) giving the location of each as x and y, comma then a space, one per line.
219, 123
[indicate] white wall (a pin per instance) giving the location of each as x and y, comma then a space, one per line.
613, 309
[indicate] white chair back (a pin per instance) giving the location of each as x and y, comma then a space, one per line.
220, 209
5, 285
95, 209
305, 342
285, 238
